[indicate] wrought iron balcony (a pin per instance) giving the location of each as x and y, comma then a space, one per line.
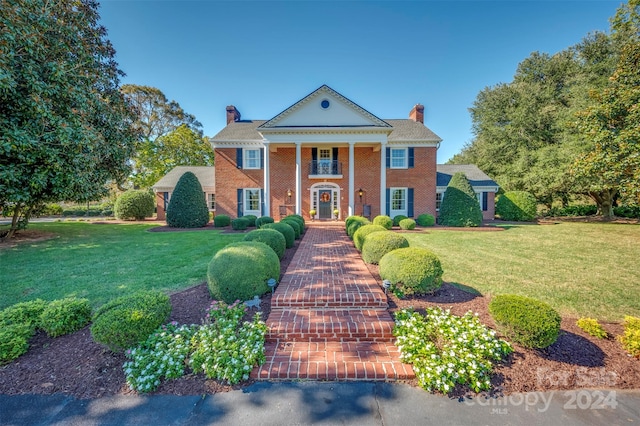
325, 168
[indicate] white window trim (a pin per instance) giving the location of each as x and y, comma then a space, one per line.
441, 198
245, 158
393, 213
211, 200
245, 202
405, 159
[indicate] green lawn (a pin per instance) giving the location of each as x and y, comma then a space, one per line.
580, 269
101, 262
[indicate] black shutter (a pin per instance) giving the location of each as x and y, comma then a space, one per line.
334, 164
239, 157
410, 152
484, 201
388, 201
240, 209
388, 151
410, 202
314, 161
262, 157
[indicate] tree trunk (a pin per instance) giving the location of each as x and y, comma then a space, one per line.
604, 200
14, 222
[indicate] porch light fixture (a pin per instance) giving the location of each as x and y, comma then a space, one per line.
289, 193
360, 192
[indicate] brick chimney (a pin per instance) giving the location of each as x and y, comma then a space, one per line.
232, 114
417, 113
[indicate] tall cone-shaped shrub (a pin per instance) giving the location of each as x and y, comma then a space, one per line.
460, 205
187, 206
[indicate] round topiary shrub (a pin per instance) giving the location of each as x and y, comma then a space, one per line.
187, 206
251, 219
520, 206
239, 224
221, 220
363, 231
378, 244
460, 206
526, 321
134, 204
285, 229
383, 220
298, 219
354, 222
407, 224
426, 219
129, 320
294, 224
412, 270
65, 316
297, 216
397, 219
262, 220
240, 271
270, 237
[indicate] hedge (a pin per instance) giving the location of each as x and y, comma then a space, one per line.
133, 204
520, 206
285, 229
270, 237
383, 220
412, 270
426, 219
378, 244
363, 231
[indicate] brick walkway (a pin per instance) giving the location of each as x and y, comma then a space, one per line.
329, 318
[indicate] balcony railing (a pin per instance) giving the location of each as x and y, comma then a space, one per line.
325, 168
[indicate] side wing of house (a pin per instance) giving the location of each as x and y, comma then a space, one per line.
484, 187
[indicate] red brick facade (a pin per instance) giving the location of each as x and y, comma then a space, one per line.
229, 178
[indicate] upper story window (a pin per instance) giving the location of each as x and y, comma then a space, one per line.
398, 158
252, 158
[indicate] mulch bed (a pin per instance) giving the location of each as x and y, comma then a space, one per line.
75, 365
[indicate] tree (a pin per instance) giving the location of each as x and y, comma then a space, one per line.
65, 128
163, 126
180, 147
187, 207
460, 207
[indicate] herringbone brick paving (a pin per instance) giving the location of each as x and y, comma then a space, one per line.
329, 318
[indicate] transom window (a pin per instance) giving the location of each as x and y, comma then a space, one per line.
398, 158
252, 158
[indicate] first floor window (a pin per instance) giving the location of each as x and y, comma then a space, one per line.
251, 158
439, 197
211, 201
252, 201
398, 201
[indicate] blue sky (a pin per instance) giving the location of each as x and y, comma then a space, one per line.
263, 56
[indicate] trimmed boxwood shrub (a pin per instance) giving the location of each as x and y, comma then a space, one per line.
407, 224
518, 206
251, 219
23, 313
239, 224
378, 244
460, 205
298, 219
397, 219
270, 237
240, 271
14, 341
383, 220
285, 229
363, 231
221, 220
262, 220
187, 207
294, 224
134, 204
526, 321
426, 219
297, 216
630, 340
128, 320
412, 270
354, 222
65, 316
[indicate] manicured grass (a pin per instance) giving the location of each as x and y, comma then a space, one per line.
579, 269
104, 261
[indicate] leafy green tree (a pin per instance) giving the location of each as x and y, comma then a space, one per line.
187, 207
460, 206
65, 128
169, 136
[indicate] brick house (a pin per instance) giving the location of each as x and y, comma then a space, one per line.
165, 186
325, 153
484, 187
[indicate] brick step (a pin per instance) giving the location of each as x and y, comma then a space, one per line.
305, 299
322, 325
332, 361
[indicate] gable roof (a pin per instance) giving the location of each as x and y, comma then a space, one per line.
476, 176
325, 91
205, 175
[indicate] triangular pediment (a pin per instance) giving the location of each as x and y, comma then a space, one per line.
324, 108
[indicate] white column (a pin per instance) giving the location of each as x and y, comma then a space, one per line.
383, 178
266, 183
352, 189
298, 178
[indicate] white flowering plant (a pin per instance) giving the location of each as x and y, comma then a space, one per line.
225, 349
448, 350
161, 356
